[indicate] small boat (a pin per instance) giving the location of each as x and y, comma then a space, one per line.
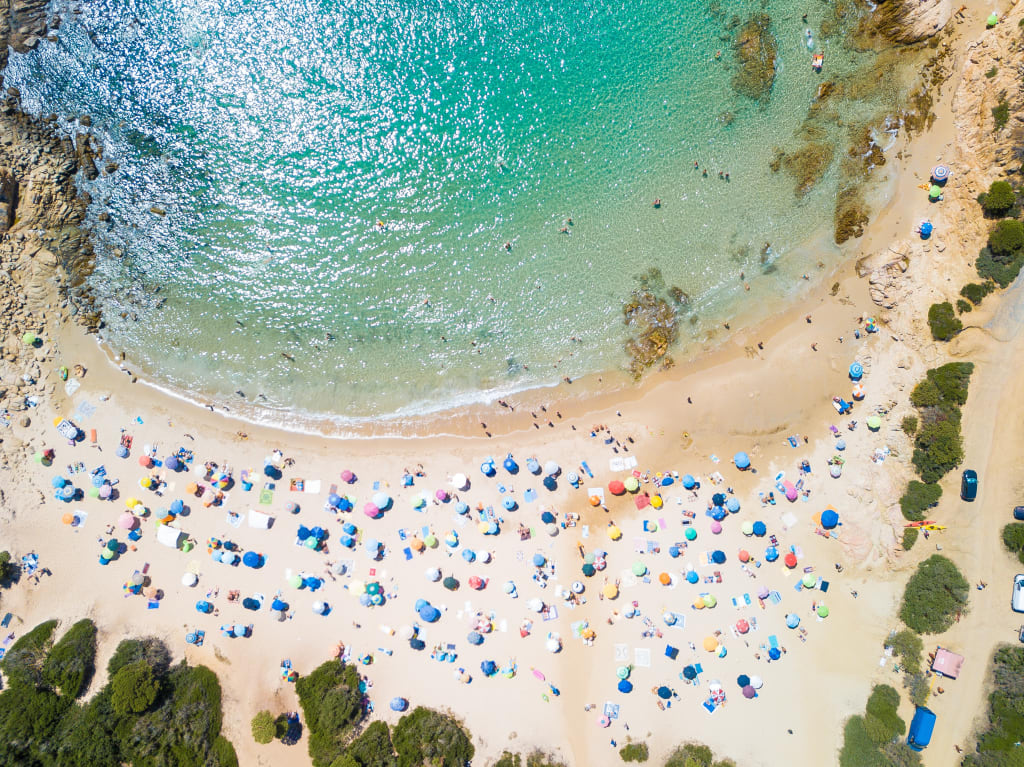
817, 61
919, 524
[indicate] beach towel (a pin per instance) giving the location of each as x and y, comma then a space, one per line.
774, 597
153, 605
235, 520
680, 621
709, 706
822, 584
266, 496
313, 486
598, 491
611, 710
622, 653
639, 546
642, 656
408, 553
583, 465
577, 629
550, 613
616, 464
530, 495
773, 641
585, 532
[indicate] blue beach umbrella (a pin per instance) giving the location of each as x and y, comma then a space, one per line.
249, 604
547, 517
303, 533
67, 492
475, 638
461, 508
204, 607
488, 667
334, 499
278, 604
348, 528
856, 371
692, 577
429, 614
538, 560
487, 468
673, 551
58, 482
121, 451
510, 465
689, 482
508, 502
398, 704
492, 528
625, 686
469, 555
177, 506
771, 554
347, 541
664, 693
792, 620
98, 480
829, 519
774, 653
532, 466
718, 557
171, 463
732, 505
742, 460
345, 505
760, 529
550, 483
252, 559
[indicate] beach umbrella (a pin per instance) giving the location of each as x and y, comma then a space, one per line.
295, 581
146, 483
589, 570
510, 465
692, 577
252, 559
192, 488
547, 517
171, 463
632, 484
145, 461
372, 545
822, 611
320, 608
856, 371
450, 583
840, 444
657, 501
742, 680
622, 672
475, 638
279, 605
93, 492
664, 579
874, 423
940, 173
398, 704
508, 502
716, 527
639, 568
550, 483
664, 693
460, 482
574, 478
538, 560
774, 653
792, 620
614, 532
747, 528
177, 506
742, 460
760, 529
809, 581
58, 482
718, 557
188, 579
333, 499
429, 613
418, 502
762, 593
710, 643
381, 500
318, 533
204, 607
934, 192
433, 574
858, 391
441, 495
406, 632
468, 554
105, 491
532, 466
347, 541
749, 692
348, 528
691, 534
452, 539
689, 482
121, 451
610, 591
625, 686
347, 476
228, 557
488, 667
371, 510
577, 587
68, 518
461, 508
509, 587
742, 626
216, 554
615, 487
732, 505
595, 500
476, 583
835, 470
689, 672
97, 479
829, 519
487, 468
551, 468
709, 600
113, 545
744, 555
790, 560
430, 540
251, 604
673, 551
551, 528
642, 501
67, 492
553, 644
756, 682
303, 533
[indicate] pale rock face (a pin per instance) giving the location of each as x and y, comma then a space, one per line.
917, 20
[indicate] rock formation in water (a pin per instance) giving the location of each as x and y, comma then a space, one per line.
756, 53
908, 21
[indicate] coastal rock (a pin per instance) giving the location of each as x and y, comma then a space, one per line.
909, 21
8, 198
756, 53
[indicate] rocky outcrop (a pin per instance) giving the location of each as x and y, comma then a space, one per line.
908, 21
756, 54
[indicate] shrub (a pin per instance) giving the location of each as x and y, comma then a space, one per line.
943, 321
694, 755
23, 662
1000, 198
1005, 239
975, 292
634, 752
151, 650
223, 752
909, 425
917, 498
999, 271
7, 570
934, 595
425, 736
918, 687
133, 688
907, 646
333, 705
963, 306
264, 727
70, 665
925, 394
952, 380
938, 449
1001, 113
992, 72
373, 747
858, 750
997, 744
1013, 539
909, 538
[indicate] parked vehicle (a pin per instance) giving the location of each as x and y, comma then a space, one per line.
1017, 600
1018, 513
969, 485
920, 733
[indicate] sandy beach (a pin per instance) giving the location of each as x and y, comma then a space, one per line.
765, 390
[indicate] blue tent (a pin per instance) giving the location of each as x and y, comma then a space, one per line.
742, 460
689, 482
475, 638
252, 559
829, 519
760, 529
625, 685
510, 465
398, 704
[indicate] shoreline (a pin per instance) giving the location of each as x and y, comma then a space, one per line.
741, 401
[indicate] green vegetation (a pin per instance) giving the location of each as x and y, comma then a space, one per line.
264, 727
333, 705
909, 425
695, 755
373, 747
999, 198
935, 595
1013, 539
1001, 113
907, 646
943, 321
69, 667
430, 737
634, 752
909, 538
870, 740
7, 570
975, 292
536, 759
963, 306
917, 499
170, 718
918, 688
1006, 238
999, 270
1001, 261
997, 744
938, 447
992, 72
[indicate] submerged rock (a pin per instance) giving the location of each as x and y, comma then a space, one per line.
756, 52
807, 164
653, 322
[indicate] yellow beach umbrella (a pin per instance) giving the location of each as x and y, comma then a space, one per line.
614, 533
610, 591
710, 644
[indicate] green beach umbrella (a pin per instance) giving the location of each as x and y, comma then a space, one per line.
106, 554
295, 581
639, 568
822, 611
29, 339
93, 492
747, 528
622, 672
311, 542
112, 544
935, 192
632, 484
809, 581
691, 534
992, 20
874, 423
710, 601
589, 558
430, 541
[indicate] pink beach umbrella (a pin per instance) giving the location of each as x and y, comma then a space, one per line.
742, 626
441, 495
642, 501
105, 491
126, 521
348, 476
371, 510
749, 692
716, 527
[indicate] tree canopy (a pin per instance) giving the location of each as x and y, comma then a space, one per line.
934, 595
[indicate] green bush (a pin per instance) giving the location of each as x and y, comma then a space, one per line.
695, 755
909, 538
1004, 725
634, 752
907, 646
918, 687
952, 380
70, 665
859, 749
264, 727
424, 736
1001, 272
1013, 539
909, 425
1001, 113
992, 73
23, 662
867, 739
975, 292
333, 706
134, 688
963, 306
151, 650
1006, 239
1000, 198
925, 394
943, 321
373, 747
7, 570
917, 498
934, 595
223, 753
938, 449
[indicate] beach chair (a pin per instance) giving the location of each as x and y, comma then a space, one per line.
773, 642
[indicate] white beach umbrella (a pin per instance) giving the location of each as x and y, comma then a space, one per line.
551, 468
536, 605
553, 644
407, 632
189, 579
460, 482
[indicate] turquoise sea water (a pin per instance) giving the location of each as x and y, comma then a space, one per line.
276, 135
